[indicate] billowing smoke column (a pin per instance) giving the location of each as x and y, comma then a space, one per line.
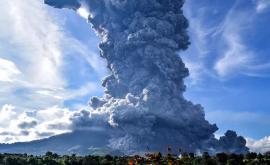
143, 106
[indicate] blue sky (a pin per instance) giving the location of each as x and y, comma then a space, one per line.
229, 63
50, 66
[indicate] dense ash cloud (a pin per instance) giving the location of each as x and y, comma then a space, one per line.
232, 143
143, 103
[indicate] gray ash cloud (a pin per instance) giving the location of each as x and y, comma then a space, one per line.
143, 104
27, 125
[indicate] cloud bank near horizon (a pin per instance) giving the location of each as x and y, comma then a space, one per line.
32, 125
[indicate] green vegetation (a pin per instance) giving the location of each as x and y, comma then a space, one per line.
154, 158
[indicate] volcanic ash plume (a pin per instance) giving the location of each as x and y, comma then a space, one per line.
143, 106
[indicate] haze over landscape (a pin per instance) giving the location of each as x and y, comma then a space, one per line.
50, 68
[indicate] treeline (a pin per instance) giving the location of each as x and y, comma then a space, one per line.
154, 158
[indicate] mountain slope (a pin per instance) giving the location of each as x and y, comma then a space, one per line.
79, 142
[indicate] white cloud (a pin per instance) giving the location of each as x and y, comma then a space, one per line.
83, 12
30, 39
93, 60
236, 58
67, 94
197, 54
26, 126
34, 45
33, 48
196, 69
36, 39
260, 146
262, 5
218, 47
8, 70
7, 113
235, 55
